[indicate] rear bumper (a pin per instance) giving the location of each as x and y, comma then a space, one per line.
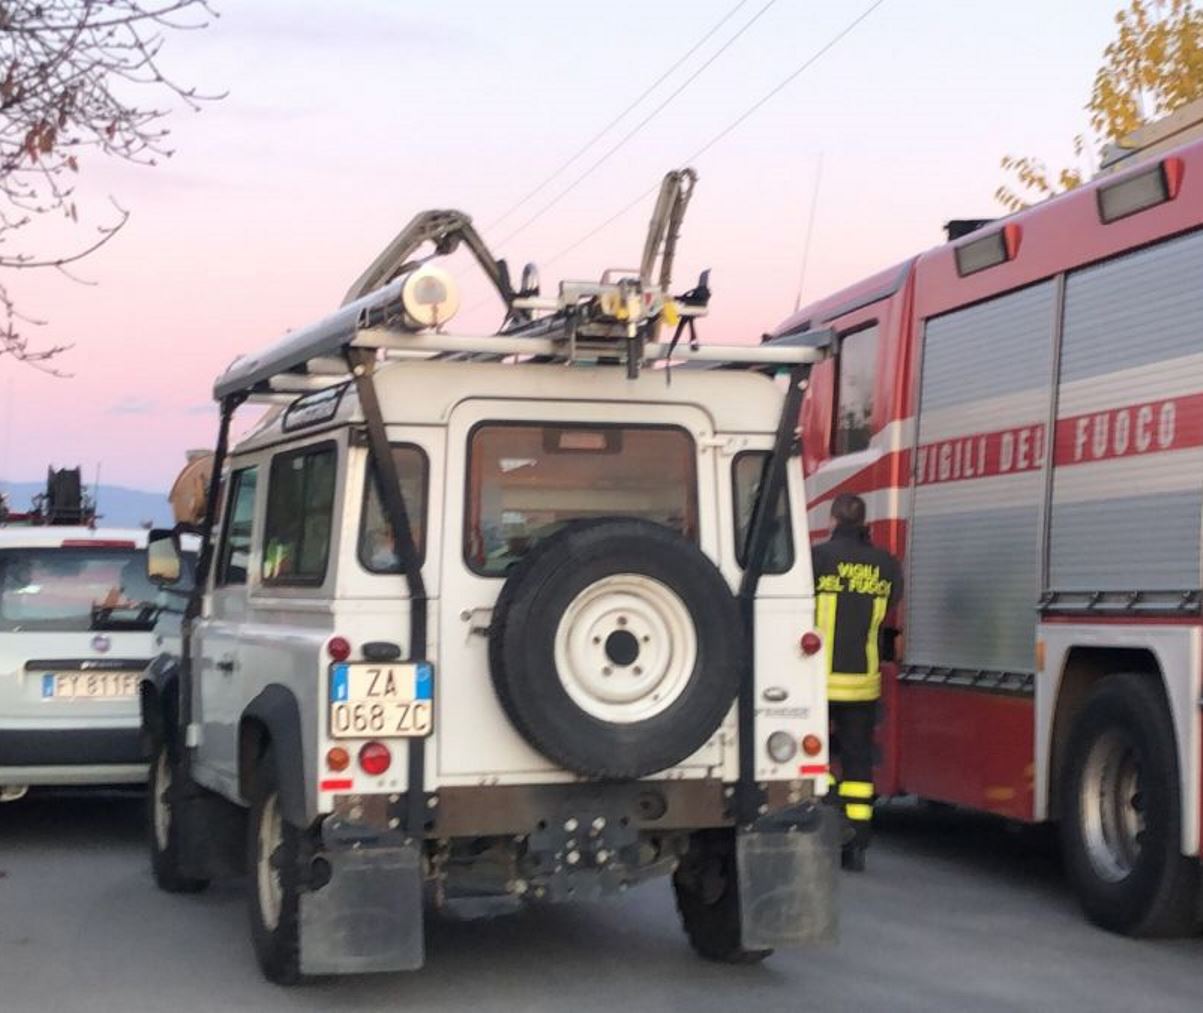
71, 755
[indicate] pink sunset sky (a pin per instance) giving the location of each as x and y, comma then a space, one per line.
342, 120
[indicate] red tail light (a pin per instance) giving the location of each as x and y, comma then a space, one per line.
811, 643
374, 758
339, 648
812, 745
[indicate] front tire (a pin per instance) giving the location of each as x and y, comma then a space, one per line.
273, 858
1122, 811
707, 889
162, 827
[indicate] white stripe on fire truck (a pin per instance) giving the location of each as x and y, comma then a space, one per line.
1169, 378
989, 414
1125, 477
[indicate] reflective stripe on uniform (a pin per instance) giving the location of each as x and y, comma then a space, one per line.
858, 811
856, 789
845, 687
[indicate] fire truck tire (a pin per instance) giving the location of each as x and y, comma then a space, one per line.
616, 648
273, 861
707, 891
1121, 813
163, 830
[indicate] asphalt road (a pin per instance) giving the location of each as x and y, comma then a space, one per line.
955, 913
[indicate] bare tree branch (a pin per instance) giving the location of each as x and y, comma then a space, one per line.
68, 69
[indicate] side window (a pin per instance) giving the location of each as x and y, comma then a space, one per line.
236, 535
527, 481
300, 510
746, 474
856, 369
377, 545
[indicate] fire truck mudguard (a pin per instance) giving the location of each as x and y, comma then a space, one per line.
615, 647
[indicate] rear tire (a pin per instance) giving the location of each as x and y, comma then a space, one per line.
273, 860
707, 889
162, 828
1122, 812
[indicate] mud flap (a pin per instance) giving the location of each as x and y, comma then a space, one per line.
788, 867
368, 917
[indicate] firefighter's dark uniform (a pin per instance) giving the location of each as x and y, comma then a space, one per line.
856, 584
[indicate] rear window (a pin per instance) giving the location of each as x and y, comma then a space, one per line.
527, 481
747, 472
76, 589
377, 544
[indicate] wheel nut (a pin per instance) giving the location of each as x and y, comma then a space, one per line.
603, 857
599, 824
574, 857
622, 620
607, 670
571, 824
638, 670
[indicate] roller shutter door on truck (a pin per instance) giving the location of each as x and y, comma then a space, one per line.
1128, 469
974, 554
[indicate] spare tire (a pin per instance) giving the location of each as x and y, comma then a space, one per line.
616, 647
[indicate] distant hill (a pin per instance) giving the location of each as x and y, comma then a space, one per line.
119, 507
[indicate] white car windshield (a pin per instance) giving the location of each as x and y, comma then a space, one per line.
76, 588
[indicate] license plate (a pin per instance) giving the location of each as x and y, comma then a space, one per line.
368, 700
90, 685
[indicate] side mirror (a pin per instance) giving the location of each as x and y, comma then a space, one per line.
164, 564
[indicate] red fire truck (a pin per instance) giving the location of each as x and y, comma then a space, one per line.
1022, 410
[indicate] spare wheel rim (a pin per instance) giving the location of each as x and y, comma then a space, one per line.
270, 840
625, 648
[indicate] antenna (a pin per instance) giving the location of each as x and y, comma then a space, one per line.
810, 227
96, 497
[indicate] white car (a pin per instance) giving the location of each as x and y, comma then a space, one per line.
78, 621
523, 630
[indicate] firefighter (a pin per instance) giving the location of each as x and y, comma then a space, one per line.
856, 585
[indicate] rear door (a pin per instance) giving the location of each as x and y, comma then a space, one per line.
515, 473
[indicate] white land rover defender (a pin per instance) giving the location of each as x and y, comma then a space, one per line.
511, 617
79, 623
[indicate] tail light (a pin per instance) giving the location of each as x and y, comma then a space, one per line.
811, 643
374, 758
337, 759
812, 745
339, 648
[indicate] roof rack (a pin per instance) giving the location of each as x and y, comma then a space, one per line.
398, 309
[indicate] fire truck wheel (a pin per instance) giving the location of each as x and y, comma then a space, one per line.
707, 892
162, 830
1121, 813
273, 847
616, 648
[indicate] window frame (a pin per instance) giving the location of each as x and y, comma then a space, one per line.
836, 385
305, 450
741, 549
424, 458
227, 519
469, 444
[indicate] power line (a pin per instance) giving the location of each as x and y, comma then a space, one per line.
615, 148
771, 93
617, 119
